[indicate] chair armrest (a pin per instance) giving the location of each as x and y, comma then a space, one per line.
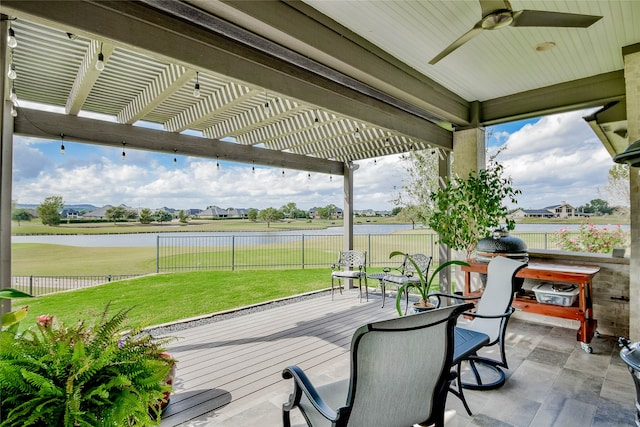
457, 298
303, 385
487, 316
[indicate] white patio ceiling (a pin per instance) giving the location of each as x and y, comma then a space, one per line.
314, 83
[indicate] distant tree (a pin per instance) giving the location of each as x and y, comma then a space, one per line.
395, 211
327, 211
252, 214
115, 213
289, 210
162, 216
617, 188
411, 214
270, 215
49, 210
21, 215
420, 182
596, 207
182, 217
145, 216
131, 214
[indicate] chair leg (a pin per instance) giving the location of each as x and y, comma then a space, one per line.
384, 292
459, 392
489, 364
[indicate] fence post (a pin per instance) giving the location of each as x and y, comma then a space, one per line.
546, 245
31, 285
369, 249
233, 253
302, 251
157, 254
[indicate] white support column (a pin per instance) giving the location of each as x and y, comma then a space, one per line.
6, 170
469, 152
347, 211
632, 82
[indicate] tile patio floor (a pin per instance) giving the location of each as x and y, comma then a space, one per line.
229, 370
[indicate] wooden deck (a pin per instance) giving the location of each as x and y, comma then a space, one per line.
229, 372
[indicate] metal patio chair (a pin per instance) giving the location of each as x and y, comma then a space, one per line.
350, 265
406, 272
490, 317
400, 374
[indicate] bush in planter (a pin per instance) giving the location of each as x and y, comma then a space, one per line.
88, 374
467, 210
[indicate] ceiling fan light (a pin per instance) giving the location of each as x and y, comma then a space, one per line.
497, 20
545, 46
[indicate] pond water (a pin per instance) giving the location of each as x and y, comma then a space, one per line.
150, 239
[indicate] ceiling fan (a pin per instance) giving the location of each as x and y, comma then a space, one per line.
498, 14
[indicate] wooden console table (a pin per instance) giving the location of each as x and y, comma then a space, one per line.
581, 275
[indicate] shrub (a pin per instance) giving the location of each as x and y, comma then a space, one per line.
592, 239
88, 374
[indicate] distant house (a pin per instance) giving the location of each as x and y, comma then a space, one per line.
70, 214
213, 212
99, 213
563, 210
237, 213
313, 213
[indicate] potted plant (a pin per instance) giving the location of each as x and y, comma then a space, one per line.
467, 210
86, 374
423, 286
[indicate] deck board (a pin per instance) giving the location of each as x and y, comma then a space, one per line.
225, 366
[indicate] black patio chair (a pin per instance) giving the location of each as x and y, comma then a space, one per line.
400, 373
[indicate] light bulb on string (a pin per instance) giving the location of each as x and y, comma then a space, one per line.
13, 97
175, 159
283, 173
217, 163
253, 167
308, 176
11, 39
123, 153
14, 112
62, 149
11, 72
100, 62
196, 88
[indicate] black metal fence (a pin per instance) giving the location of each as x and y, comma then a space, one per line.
186, 253
43, 285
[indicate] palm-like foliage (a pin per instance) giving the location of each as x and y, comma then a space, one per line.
424, 286
87, 374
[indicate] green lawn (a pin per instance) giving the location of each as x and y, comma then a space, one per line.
168, 297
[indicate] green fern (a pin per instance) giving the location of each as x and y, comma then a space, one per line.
87, 374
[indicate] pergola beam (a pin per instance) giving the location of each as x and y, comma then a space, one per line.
43, 124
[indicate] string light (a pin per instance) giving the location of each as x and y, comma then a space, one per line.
308, 176
11, 72
11, 39
283, 173
253, 167
62, 150
100, 62
217, 163
196, 88
14, 112
175, 160
13, 97
123, 153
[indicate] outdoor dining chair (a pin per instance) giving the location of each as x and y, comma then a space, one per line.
350, 265
400, 373
490, 317
406, 272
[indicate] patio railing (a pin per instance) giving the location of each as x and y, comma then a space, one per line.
43, 285
184, 253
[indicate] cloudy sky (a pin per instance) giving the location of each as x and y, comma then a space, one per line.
551, 159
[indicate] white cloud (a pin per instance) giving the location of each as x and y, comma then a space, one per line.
554, 159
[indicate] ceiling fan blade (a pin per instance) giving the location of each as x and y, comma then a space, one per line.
539, 18
456, 44
490, 6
